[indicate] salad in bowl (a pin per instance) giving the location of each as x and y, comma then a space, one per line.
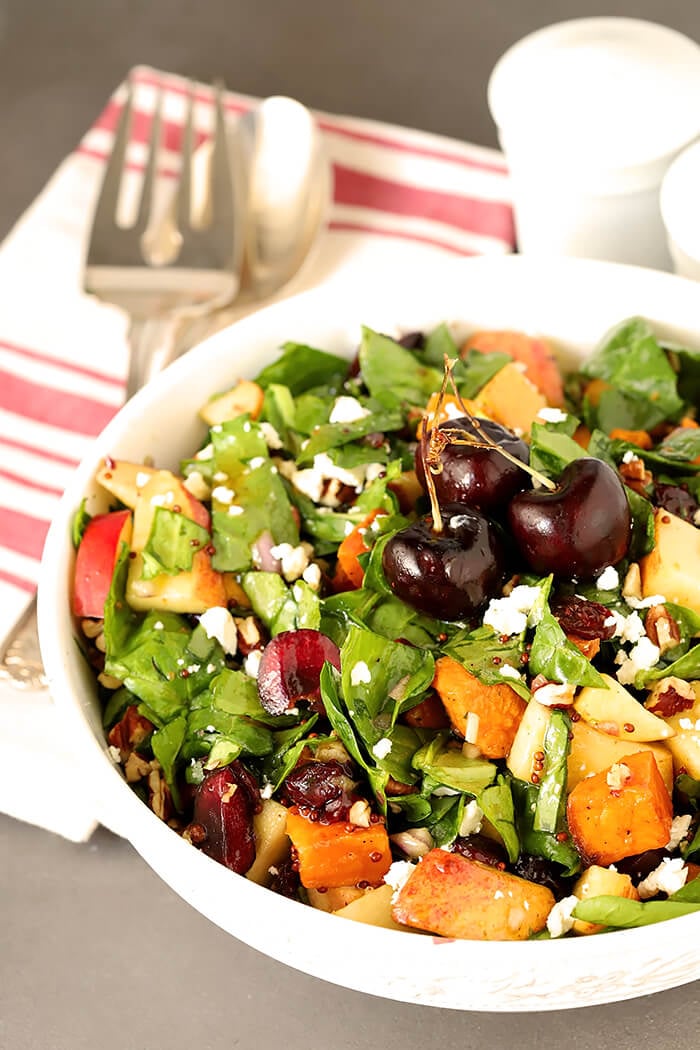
406, 629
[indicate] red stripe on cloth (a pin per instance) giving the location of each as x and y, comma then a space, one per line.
171, 130
19, 479
17, 581
58, 408
22, 533
38, 450
38, 355
488, 218
383, 231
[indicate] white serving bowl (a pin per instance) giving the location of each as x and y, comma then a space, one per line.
571, 301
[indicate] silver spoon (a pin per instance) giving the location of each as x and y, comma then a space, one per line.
278, 150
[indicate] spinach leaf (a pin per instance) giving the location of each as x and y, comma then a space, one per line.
287, 747
552, 450
642, 382
449, 767
120, 619
474, 369
333, 435
558, 659
446, 813
171, 544
681, 445
496, 802
621, 913
81, 520
279, 606
279, 411
688, 365
166, 743
438, 343
302, 367
394, 375
483, 654
687, 667
551, 797
540, 843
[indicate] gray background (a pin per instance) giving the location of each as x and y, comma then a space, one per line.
95, 952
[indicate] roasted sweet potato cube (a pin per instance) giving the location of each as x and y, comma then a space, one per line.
339, 854
495, 710
621, 811
452, 896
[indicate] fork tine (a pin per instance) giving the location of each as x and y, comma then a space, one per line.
149, 178
220, 179
184, 192
106, 208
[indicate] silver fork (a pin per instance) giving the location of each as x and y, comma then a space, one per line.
163, 283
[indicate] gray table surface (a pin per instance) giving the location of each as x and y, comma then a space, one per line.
96, 952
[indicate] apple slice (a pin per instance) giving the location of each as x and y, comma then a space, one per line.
616, 712
245, 396
124, 480
684, 723
672, 568
95, 561
536, 354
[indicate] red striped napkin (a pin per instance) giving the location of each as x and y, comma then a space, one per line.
398, 194
401, 199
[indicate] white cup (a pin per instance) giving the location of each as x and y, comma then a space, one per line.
590, 114
680, 210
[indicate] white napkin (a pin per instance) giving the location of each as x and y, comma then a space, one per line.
400, 197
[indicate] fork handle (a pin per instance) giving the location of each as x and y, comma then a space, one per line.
153, 344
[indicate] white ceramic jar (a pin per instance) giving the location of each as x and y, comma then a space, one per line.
590, 114
680, 209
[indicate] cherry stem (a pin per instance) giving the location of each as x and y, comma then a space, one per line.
428, 446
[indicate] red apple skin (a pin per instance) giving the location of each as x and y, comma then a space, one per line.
95, 561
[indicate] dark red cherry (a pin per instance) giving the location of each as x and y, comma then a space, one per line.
449, 574
290, 669
327, 789
577, 529
478, 477
224, 805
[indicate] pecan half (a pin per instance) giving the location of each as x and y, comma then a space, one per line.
661, 628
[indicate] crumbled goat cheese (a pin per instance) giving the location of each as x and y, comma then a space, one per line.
642, 657
267, 790
197, 486
667, 878
680, 826
218, 623
631, 457
382, 748
560, 919
220, 476
551, 415
223, 494
162, 499
115, 754
205, 453
142, 478
398, 875
158, 625
251, 664
471, 728
509, 672
608, 580
360, 674
471, 820
509, 615
272, 438
645, 603
256, 461
617, 776
555, 694
347, 410
234, 510
312, 576
688, 724
294, 560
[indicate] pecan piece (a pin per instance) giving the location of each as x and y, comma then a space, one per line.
662, 628
670, 696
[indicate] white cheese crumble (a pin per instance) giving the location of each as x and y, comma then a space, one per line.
471, 729
609, 579
218, 623
680, 826
312, 576
158, 625
509, 615
256, 461
560, 919
347, 410
472, 818
251, 664
115, 754
398, 875
234, 510
551, 415
555, 694
382, 748
360, 674
645, 603
197, 486
667, 878
142, 478
631, 457
205, 453
617, 776
220, 476
272, 438
508, 671
689, 724
162, 499
223, 494
643, 656
294, 560
267, 790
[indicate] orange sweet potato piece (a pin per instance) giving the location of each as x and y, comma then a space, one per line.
640, 438
339, 854
541, 366
498, 708
349, 573
590, 647
621, 811
428, 714
582, 436
453, 896
511, 399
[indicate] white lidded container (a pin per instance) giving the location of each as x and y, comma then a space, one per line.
590, 114
680, 209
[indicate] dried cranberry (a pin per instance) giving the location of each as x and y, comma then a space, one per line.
412, 341
224, 806
324, 788
541, 871
583, 618
285, 879
641, 864
481, 848
676, 500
